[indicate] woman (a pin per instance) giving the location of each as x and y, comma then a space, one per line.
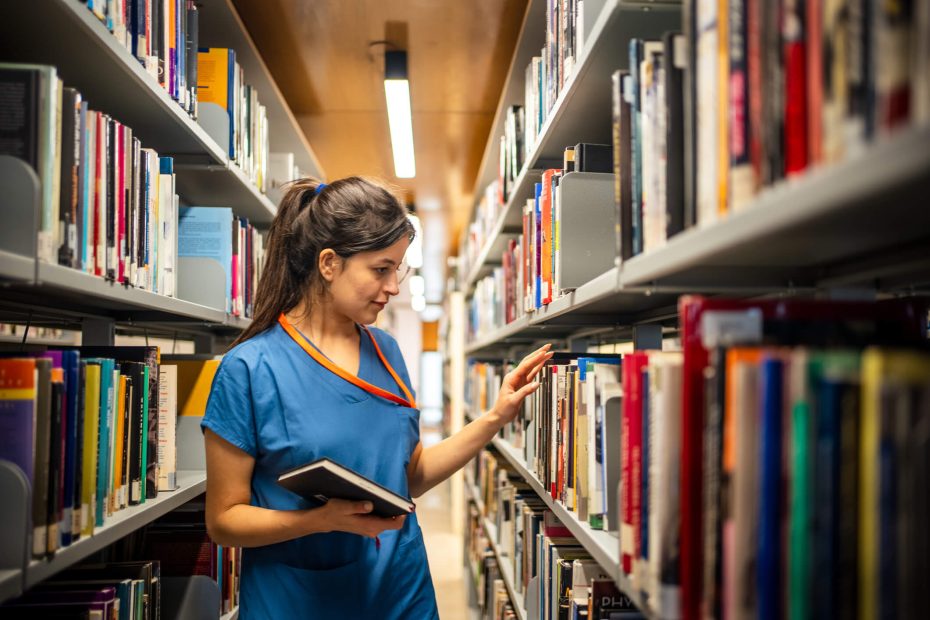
306, 380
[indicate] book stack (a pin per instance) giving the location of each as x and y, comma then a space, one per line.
224, 250
532, 545
753, 94
162, 35
108, 205
91, 432
221, 83
131, 589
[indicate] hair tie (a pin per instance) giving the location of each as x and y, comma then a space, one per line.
319, 188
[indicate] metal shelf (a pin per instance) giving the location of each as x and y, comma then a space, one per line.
225, 186
68, 35
603, 547
191, 484
70, 294
221, 26
799, 231
503, 562
16, 267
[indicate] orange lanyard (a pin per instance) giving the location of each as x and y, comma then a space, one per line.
339, 372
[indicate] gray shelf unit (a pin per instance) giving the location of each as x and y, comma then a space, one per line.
190, 485
66, 34
503, 563
19, 571
73, 295
833, 224
603, 546
612, 24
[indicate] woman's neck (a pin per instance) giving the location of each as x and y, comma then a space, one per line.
321, 323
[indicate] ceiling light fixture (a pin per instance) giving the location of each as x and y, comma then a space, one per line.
397, 93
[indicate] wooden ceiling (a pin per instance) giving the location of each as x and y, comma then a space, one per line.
320, 53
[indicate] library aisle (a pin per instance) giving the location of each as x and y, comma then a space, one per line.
700, 225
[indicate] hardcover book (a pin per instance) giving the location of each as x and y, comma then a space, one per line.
324, 479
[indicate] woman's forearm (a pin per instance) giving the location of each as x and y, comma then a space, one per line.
243, 525
440, 461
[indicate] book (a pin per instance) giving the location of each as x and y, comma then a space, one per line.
324, 479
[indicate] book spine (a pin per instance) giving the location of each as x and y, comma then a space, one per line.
794, 58
742, 181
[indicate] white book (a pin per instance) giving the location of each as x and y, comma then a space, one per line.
167, 427
707, 200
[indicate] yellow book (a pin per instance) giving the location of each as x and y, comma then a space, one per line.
213, 71
723, 106
195, 377
119, 488
880, 368
89, 459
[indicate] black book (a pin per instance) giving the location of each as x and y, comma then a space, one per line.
689, 119
674, 47
324, 479
192, 44
594, 157
19, 126
56, 460
70, 160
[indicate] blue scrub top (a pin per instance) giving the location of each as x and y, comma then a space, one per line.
272, 400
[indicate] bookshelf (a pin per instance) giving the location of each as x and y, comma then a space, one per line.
66, 34
190, 485
503, 562
853, 229
90, 58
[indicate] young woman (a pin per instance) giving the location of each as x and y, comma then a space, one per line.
308, 380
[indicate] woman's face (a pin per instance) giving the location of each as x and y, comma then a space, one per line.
362, 285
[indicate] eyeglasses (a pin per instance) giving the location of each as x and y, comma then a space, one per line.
401, 272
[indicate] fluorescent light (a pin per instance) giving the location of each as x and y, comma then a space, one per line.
414, 256
418, 303
397, 93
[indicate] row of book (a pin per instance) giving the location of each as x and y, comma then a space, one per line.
212, 243
494, 302
108, 205
131, 579
770, 466
535, 545
163, 36
221, 82
95, 430
482, 226
749, 95
492, 599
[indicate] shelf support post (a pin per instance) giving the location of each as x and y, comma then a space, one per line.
98, 332
647, 337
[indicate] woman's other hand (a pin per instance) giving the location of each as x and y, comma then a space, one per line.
518, 384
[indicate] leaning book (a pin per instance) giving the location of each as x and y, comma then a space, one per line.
324, 479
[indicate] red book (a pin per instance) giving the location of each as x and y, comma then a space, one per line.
794, 59
814, 39
631, 462
120, 223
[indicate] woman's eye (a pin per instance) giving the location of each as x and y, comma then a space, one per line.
381, 270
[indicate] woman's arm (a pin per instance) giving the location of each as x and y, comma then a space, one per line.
431, 466
232, 521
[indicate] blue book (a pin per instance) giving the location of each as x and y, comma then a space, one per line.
770, 470
71, 365
87, 182
103, 438
636, 154
205, 249
829, 395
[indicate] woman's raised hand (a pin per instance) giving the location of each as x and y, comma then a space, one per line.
520, 383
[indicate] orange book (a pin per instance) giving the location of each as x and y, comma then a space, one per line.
195, 378
548, 227
118, 498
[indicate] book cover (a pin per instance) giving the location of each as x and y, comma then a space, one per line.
325, 479
205, 249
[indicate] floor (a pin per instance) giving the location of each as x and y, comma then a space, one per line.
444, 549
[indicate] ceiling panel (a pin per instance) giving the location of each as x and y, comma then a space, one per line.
320, 53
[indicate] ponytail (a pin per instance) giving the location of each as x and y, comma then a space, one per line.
349, 216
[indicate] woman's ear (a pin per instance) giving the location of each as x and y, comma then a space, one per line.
329, 264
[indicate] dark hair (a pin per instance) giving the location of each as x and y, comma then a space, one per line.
349, 216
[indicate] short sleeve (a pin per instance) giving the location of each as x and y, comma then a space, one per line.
229, 408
